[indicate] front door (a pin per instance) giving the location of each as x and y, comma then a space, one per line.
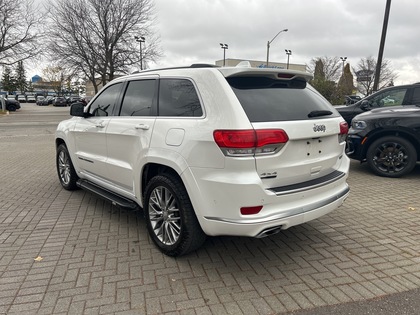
90, 134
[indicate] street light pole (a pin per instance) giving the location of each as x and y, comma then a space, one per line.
224, 47
140, 39
270, 41
288, 53
343, 59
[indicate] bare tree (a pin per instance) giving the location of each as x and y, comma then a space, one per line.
330, 69
55, 75
18, 33
365, 75
96, 37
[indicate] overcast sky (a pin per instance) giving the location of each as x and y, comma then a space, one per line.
191, 30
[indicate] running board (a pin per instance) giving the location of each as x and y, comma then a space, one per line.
115, 199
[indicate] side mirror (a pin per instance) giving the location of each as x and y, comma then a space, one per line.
78, 110
365, 105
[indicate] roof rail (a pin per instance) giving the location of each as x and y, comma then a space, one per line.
203, 65
195, 65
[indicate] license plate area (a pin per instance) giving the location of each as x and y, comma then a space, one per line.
314, 148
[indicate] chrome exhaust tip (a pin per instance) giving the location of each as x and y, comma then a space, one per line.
269, 232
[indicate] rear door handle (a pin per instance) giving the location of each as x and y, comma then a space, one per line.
100, 124
142, 126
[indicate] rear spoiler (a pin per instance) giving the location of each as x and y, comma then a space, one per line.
266, 72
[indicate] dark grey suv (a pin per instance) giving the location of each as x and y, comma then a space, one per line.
390, 96
11, 104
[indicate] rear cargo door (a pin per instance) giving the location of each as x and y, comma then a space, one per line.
313, 149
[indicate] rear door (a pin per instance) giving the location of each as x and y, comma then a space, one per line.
414, 96
310, 122
129, 133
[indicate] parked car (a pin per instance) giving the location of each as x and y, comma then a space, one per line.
50, 100
390, 96
39, 100
11, 104
208, 151
388, 139
73, 99
59, 101
31, 98
45, 101
21, 98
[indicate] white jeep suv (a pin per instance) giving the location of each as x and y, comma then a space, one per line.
208, 151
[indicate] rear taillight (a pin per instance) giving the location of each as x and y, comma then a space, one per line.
250, 142
344, 130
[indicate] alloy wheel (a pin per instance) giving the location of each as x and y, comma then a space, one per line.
390, 157
64, 167
164, 215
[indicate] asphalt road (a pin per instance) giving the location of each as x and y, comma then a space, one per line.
71, 253
32, 118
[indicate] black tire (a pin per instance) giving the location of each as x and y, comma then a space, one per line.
170, 216
391, 156
65, 170
11, 108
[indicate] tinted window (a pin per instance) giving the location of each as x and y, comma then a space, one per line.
265, 99
138, 98
391, 97
104, 104
178, 97
416, 96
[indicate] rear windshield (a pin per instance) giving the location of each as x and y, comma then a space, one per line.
265, 99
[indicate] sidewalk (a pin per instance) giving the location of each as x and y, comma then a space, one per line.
406, 303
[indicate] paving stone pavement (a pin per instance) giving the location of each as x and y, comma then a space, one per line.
67, 252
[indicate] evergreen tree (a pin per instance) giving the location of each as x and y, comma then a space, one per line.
21, 82
9, 81
345, 84
324, 85
30, 87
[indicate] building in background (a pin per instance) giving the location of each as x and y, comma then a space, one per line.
44, 88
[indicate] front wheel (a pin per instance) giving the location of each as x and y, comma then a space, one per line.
12, 108
66, 172
391, 156
170, 216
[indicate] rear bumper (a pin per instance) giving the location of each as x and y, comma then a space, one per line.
268, 225
218, 197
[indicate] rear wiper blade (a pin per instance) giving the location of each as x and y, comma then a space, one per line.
317, 113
